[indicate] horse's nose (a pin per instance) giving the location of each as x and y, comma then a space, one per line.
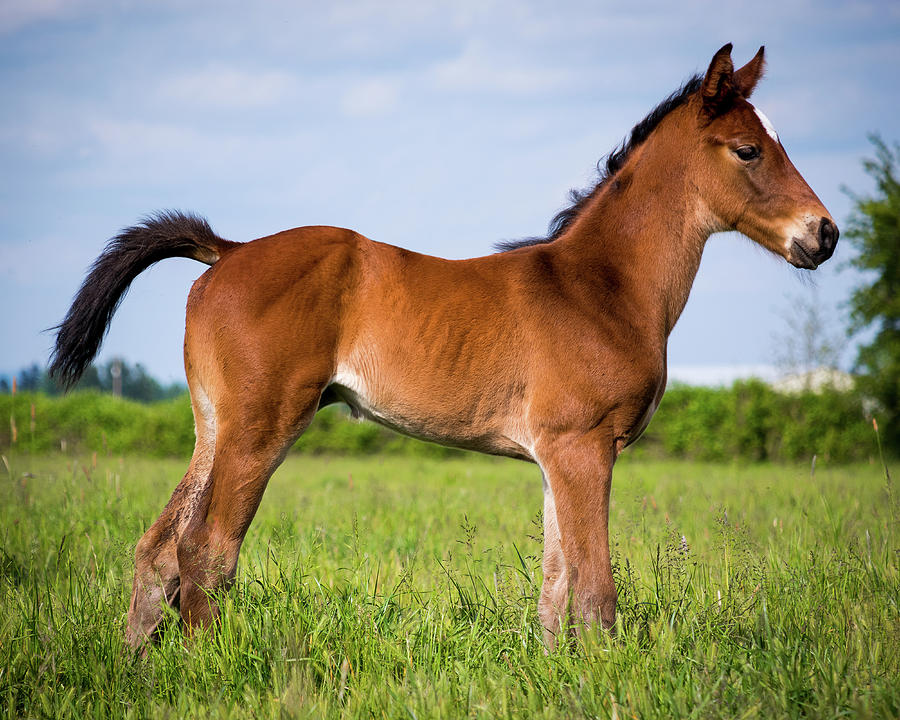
828, 237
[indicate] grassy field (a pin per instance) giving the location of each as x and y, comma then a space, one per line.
407, 588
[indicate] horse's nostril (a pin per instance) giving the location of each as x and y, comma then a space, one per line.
828, 235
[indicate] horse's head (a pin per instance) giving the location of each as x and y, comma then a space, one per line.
748, 182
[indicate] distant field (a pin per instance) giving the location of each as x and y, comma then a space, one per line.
406, 588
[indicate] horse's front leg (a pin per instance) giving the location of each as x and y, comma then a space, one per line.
578, 582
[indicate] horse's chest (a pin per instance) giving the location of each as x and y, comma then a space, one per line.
645, 410
643, 420
617, 396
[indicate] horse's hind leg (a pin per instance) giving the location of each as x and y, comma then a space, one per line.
554, 598
251, 441
156, 573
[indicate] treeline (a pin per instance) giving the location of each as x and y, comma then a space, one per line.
748, 421
115, 376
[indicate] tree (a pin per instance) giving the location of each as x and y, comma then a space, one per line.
874, 231
808, 342
136, 382
30, 378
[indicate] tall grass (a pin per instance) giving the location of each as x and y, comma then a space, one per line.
406, 587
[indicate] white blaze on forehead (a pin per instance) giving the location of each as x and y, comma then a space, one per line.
766, 123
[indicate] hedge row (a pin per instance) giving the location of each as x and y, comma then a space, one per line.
749, 421
89, 421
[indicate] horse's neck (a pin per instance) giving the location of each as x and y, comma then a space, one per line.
652, 231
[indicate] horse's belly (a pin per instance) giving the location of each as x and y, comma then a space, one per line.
444, 420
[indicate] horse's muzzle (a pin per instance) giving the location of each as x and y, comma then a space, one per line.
810, 256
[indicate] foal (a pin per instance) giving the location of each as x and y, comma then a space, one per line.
553, 351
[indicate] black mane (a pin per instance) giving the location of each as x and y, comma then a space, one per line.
613, 163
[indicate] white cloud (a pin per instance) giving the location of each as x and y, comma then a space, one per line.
136, 138
481, 71
372, 97
167, 158
407, 15
16, 14
224, 87
55, 256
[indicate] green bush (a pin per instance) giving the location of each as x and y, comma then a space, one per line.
88, 421
753, 422
749, 421
95, 422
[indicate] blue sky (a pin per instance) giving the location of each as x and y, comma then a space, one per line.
440, 127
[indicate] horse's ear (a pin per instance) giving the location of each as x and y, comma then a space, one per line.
718, 88
746, 78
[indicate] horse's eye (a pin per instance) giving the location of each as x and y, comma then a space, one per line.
747, 152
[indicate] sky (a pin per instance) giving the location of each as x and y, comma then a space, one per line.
439, 127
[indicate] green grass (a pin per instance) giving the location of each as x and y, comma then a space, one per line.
406, 587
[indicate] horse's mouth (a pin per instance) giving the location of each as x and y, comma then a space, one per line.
801, 258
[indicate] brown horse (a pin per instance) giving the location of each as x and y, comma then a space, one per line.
552, 351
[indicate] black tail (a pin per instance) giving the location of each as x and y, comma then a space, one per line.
162, 235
